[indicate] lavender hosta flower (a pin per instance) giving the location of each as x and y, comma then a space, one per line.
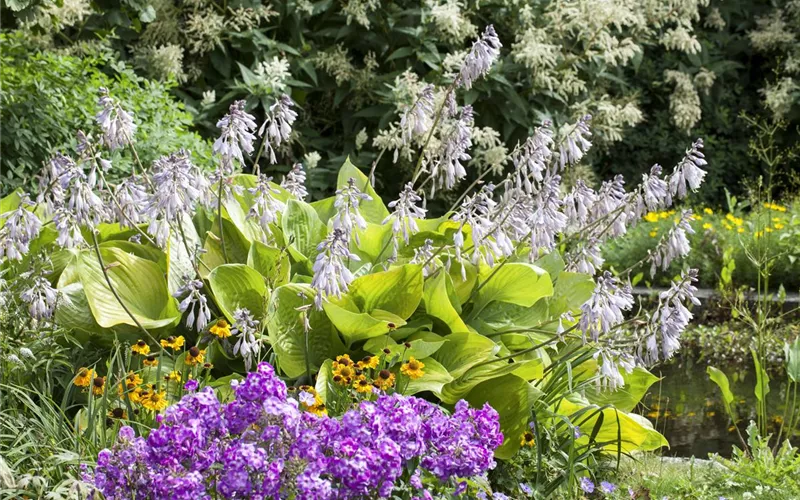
331, 275
262, 444
404, 215
245, 328
490, 241
610, 366
610, 210
21, 227
132, 199
604, 310
236, 137
69, 231
578, 204
447, 168
41, 299
295, 182
674, 245
194, 302
575, 144
117, 124
348, 216
178, 189
278, 125
532, 158
424, 255
266, 207
671, 317
656, 190
480, 58
547, 221
587, 257
417, 120
689, 171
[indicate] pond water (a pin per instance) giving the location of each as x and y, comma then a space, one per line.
687, 408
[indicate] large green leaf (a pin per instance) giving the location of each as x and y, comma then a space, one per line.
236, 247
515, 283
419, 348
792, 352
10, 202
356, 326
624, 398
718, 377
458, 388
439, 305
139, 283
179, 262
302, 228
512, 398
762, 378
271, 262
287, 335
398, 290
434, 378
236, 286
464, 350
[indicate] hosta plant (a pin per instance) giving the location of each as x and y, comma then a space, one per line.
501, 300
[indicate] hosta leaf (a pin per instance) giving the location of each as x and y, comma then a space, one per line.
515, 283
438, 303
459, 387
302, 228
179, 262
236, 246
286, 332
512, 398
236, 286
398, 290
624, 398
419, 348
271, 262
139, 283
434, 378
464, 350
356, 326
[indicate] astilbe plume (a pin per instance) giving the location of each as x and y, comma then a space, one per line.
261, 445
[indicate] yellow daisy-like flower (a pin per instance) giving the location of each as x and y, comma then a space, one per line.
98, 386
363, 385
413, 368
653, 234
368, 362
778, 225
195, 356
527, 439
221, 329
344, 360
174, 343
173, 376
84, 377
768, 229
150, 361
696, 217
141, 348
345, 372
154, 400
651, 217
385, 380
132, 380
707, 225
740, 230
708, 211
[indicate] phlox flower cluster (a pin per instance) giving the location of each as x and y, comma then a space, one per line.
262, 445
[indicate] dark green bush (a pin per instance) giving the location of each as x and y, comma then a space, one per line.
46, 97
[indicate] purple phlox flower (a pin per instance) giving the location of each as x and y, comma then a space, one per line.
587, 485
607, 487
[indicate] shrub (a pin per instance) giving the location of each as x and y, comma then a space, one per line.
46, 97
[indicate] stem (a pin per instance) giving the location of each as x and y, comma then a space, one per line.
219, 218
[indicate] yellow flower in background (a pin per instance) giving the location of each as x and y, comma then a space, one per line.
653, 234
141, 347
412, 368
777, 219
150, 361
134, 393
221, 329
768, 229
707, 226
527, 439
98, 386
195, 356
695, 217
708, 211
174, 343
384, 380
740, 230
84, 377
154, 400
174, 376
117, 413
651, 217
132, 380
775, 206
758, 234
778, 225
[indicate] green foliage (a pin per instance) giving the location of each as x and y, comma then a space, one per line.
46, 97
